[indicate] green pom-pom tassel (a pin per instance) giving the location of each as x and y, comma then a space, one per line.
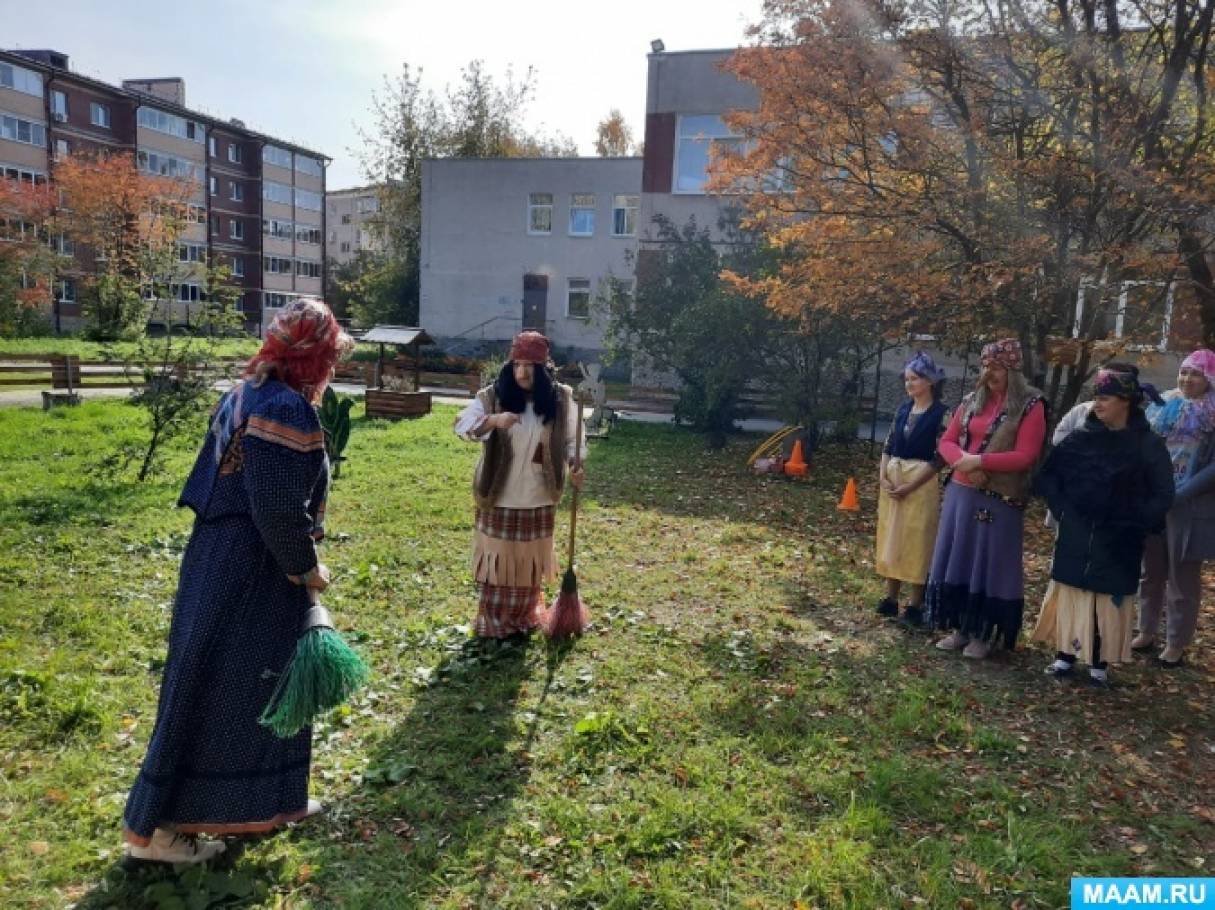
323, 673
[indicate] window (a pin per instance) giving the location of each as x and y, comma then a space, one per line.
66, 291
306, 268
212, 183
63, 149
168, 165
582, 215
191, 252
234, 153
272, 154
578, 299
345, 246
367, 204
307, 234
277, 265
236, 192
187, 293
236, 229
540, 213
698, 139
211, 146
346, 219
238, 267
309, 166
99, 114
624, 215
17, 129
64, 245
214, 225
1141, 311
306, 199
277, 300
275, 228
333, 236
25, 175
20, 79
59, 105
196, 214
164, 122
276, 192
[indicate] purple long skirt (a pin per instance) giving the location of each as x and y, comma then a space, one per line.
976, 584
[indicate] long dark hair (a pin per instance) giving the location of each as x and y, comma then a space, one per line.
514, 399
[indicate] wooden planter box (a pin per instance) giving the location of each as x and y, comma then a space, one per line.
395, 405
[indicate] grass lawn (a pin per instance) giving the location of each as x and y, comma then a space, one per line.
737, 730
95, 350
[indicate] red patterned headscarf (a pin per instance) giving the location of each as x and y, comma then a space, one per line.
301, 346
529, 347
1003, 353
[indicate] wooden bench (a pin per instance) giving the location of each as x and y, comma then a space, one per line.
393, 405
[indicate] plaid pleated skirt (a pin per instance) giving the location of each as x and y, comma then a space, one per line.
513, 557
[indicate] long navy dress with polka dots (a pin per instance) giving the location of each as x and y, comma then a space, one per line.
257, 490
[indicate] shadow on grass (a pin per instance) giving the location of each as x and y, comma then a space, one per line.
439, 789
69, 505
435, 800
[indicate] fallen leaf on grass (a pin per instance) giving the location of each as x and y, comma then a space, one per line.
40, 848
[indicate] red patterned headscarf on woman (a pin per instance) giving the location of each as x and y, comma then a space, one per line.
301, 346
1003, 353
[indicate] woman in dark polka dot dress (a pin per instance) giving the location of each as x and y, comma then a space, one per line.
258, 493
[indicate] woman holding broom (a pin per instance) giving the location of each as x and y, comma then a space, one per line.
528, 427
258, 494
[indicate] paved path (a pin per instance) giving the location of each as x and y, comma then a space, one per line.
625, 410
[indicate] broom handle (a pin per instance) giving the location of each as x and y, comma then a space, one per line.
574, 500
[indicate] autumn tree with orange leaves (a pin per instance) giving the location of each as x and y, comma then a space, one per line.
972, 169
614, 137
26, 260
125, 225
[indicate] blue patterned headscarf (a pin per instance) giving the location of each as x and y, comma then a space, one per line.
922, 364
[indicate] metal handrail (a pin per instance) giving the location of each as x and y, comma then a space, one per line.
482, 324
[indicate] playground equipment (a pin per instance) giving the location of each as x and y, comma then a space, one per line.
768, 457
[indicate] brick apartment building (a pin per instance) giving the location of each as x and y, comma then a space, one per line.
258, 204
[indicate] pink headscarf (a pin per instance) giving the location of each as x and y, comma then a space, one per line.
1203, 360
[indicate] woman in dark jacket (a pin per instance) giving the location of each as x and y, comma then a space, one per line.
1110, 484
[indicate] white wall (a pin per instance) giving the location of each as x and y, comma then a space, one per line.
476, 247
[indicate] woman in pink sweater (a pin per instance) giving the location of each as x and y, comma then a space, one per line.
975, 586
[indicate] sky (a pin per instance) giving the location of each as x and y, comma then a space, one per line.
306, 70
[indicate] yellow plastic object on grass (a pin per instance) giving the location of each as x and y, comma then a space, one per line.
772, 444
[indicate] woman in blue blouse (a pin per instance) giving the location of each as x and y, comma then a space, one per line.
908, 501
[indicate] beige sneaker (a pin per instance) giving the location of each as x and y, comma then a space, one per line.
954, 641
171, 847
977, 650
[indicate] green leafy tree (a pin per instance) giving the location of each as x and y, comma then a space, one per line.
376, 288
696, 314
175, 374
480, 117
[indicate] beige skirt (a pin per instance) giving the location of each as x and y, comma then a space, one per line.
1070, 617
907, 527
513, 548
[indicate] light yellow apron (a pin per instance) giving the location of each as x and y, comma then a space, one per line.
907, 527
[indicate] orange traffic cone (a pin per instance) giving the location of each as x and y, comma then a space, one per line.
849, 502
796, 465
